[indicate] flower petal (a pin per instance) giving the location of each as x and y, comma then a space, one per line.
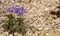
17, 10
8, 9
23, 11
11, 9
18, 14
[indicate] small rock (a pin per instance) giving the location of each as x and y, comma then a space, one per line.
19, 34
47, 34
10, 34
6, 33
2, 35
58, 13
40, 28
0, 10
58, 7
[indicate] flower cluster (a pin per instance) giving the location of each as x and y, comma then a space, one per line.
20, 11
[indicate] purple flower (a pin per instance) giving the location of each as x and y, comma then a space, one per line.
11, 9
23, 11
18, 14
19, 11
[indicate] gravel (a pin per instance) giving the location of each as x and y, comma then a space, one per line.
38, 18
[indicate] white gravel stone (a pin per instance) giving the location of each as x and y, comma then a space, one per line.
6, 33
46, 28
41, 28
47, 34
10, 34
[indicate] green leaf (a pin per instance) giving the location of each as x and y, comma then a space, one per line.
13, 27
10, 16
